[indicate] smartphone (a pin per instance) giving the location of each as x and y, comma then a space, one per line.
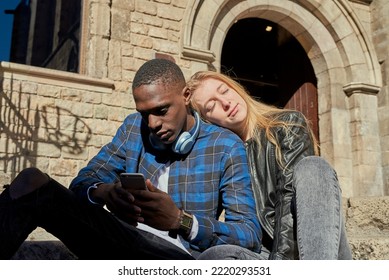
133, 181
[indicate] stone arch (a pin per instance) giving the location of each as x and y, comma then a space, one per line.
330, 29
341, 54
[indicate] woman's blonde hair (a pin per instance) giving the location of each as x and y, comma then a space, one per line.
260, 116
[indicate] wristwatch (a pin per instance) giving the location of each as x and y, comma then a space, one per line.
186, 223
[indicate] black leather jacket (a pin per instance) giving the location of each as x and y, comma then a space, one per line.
272, 185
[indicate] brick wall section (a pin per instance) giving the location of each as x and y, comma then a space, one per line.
55, 120
126, 33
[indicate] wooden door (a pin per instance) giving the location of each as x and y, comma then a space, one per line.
305, 101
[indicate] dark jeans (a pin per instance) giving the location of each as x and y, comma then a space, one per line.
89, 231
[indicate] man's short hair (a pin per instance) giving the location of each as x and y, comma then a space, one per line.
158, 71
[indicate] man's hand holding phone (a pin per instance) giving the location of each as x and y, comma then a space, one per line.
157, 209
119, 201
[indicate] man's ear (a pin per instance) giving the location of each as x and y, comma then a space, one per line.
187, 95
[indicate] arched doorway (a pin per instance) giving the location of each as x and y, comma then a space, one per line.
272, 65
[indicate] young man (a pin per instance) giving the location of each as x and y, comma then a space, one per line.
194, 171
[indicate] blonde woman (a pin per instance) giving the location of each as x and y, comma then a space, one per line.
297, 192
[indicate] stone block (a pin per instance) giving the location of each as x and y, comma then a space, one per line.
98, 47
78, 152
139, 28
43, 250
121, 25
373, 248
48, 149
114, 60
29, 87
342, 27
165, 46
99, 19
146, 19
144, 54
78, 110
4, 179
143, 42
63, 167
171, 13
127, 5
158, 32
172, 25
367, 180
103, 127
179, 3
146, 7
368, 216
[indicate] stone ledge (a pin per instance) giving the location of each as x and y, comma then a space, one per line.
367, 230
54, 77
372, 248
43, 250
368, 216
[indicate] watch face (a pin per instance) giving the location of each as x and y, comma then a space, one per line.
186, 221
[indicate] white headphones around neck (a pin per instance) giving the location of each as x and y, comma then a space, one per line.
184, 142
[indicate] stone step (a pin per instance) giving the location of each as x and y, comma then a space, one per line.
367, 224
370, 248
368, 216
43, 250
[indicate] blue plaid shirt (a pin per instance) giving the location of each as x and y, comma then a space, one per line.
212, 177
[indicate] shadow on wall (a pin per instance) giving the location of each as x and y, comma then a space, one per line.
29, 130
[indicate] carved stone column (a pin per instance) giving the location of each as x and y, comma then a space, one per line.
364, 131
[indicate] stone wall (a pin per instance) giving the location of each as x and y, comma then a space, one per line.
54, 120
122, 34
380, 34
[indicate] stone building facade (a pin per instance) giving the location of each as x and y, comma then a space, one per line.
58, 120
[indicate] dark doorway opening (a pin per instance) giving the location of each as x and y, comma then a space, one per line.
272, 65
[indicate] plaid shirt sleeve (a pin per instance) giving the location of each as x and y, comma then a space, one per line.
114, 158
